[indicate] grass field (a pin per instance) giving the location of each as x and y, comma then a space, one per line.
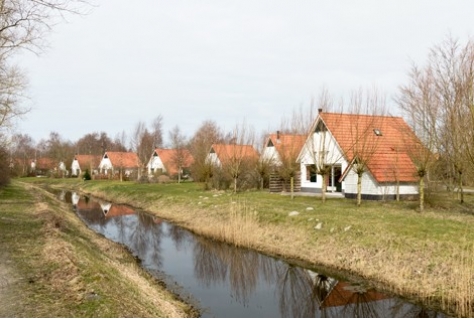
425, 256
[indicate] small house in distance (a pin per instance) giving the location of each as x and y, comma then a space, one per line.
232, 164
280, 156
173, 162
81, 163
45, 166
119, 165
221, 155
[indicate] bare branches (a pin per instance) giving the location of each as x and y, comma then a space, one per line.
12, 86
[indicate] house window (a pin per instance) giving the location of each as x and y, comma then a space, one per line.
311, 175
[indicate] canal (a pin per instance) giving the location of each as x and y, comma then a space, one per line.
225, 281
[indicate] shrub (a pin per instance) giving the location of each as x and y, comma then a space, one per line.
87, 175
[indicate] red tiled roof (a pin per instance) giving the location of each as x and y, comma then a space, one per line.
86, 161
229, 152
169, 157
344, 294
123, 159
287, 145
45, 163
389, 156
119, 210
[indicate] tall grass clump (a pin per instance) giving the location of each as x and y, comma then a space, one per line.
458, 292
241, 224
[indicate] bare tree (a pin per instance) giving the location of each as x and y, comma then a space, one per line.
264, 164
157, 131
180, 155
120, 142
435, 102
23, 25
22, 150
238, 156
364, 133
12, 87
207, 134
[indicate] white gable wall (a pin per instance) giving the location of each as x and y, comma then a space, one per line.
319, 143
154, 164
213, 159
75, 168
105, 165
270, 154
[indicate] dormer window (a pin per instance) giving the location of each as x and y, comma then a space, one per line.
377, 132
270, 143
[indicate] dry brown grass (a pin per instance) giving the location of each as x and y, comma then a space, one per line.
70, 271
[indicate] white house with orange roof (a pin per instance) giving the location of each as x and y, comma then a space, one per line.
340, 142
169, 161
222, 155
282, 150
279, 147
82, 162
114, 163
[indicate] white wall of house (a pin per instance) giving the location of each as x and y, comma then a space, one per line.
105, 165
213, 159
371, 187
321, 145
154, 164
76, 168
270, 154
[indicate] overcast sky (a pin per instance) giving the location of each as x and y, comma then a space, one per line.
228, 61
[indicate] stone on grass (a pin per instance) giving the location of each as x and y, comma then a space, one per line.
347, 228
319, 225
309, 208
293, 213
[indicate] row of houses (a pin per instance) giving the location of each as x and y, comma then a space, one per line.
323, 158
162, 161
336, 147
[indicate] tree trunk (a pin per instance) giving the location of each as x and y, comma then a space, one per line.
398, 190
461, 190
235, 184
422, 193
324, 188
292, 186
359, 189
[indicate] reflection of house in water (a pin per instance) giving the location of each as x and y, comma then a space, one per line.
105, 207
75, 199
112, 210
353, 300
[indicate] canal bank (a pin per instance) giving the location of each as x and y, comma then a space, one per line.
222, 280
52, 265
423, 257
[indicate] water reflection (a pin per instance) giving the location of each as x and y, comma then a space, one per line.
233, 282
